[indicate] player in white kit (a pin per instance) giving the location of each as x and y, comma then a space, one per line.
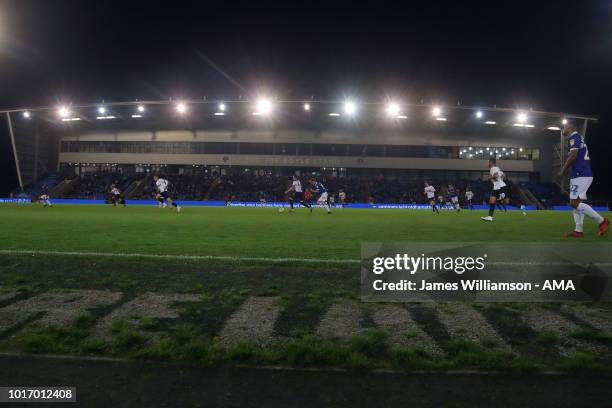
298, 193
430, 192
498, 192
161, 185
469, 195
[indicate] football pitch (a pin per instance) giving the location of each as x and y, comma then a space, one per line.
261, 232
256, 286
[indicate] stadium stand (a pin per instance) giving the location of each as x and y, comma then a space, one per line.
242, 185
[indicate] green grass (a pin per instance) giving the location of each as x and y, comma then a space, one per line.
260, 232
305, 290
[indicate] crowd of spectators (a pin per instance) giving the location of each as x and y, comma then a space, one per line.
267, 186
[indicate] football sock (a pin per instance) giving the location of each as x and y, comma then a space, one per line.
590, 212
578, 219
491, 209
291, 203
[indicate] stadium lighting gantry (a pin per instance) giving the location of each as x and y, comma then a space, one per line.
350, 108
393, 109
181, 108
26, 115
436, 111
479, 114
63, 112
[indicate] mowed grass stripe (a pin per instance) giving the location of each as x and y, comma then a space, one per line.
554, 329
403, 330
252, 322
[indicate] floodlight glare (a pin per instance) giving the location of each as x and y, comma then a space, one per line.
141, 108
350, 108
393, 109
63, 112
181, 108
102, 110
564, 121
306, 107
264, 106
522, 117
479, 114
436, 111
222, 107
26, 115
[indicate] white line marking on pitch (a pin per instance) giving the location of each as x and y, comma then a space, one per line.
254, 258
182, 257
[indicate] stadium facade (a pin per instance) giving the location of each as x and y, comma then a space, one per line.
420, 141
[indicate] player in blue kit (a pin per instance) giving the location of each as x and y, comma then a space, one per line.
581, 178
453, 197
323, 199
44, 198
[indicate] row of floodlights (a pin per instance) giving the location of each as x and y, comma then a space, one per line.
265, 107
470, 152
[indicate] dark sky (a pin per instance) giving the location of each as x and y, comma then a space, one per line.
547, 55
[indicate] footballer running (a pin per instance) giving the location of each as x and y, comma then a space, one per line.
161, 185
581, 178
323, 200
430, 192
296, 194
499, 190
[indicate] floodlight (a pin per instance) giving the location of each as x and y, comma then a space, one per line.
436, 111
441, 119
141, 108
522, 117
26, 114
554, 128
564, 121
393, 109
63, 112
102, 110
181, 108
350, 108
490, 122
479, 114
222, 107
264, 106
334, 114
307, 107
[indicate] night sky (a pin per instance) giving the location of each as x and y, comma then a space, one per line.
554, 56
